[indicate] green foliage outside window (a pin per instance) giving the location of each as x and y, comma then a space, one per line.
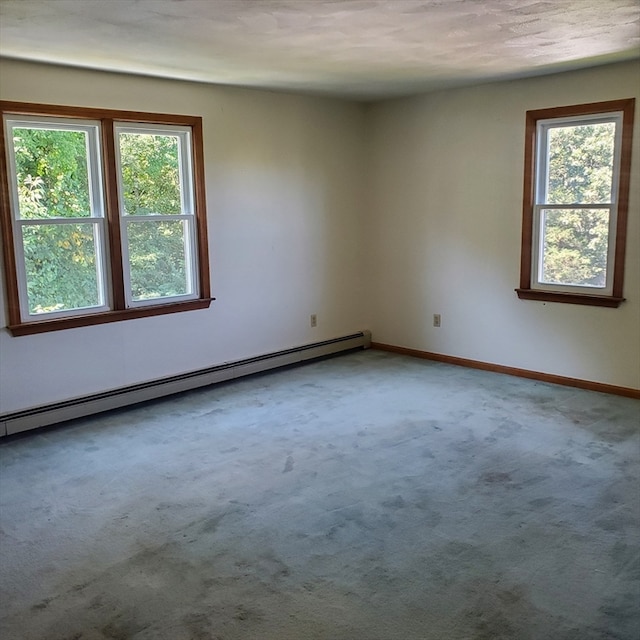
51, 166
61, 259
157, 259
150, 173
580, 171
52, 180
151, 186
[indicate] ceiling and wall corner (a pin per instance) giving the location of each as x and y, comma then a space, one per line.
357, 49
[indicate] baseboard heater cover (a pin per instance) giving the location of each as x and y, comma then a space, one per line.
44, 415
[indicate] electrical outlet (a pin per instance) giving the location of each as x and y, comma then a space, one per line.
313, 320
436, 320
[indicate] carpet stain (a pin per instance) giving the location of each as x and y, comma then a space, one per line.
199, 626
495, 477
394, 503
498, 611
626, 559
619, 616
539, 503
123, 628
96, 603
43, 604
489, 625
211, 524
244, 613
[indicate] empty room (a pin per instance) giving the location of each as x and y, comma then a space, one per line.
320, 320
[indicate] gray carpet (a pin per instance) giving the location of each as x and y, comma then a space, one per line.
366, 497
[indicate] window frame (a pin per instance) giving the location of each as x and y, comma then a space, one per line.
529, 289
120, 309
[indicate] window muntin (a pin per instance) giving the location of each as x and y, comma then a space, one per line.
577, 170
93, 233
55, 184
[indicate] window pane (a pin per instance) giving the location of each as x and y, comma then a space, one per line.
61, 267
51, 173
150, 171
158, 259
575, 246
580, 164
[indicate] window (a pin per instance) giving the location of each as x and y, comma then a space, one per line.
576, 190
103, 216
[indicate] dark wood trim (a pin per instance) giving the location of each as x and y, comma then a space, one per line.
569, 298
6, 226
527, 201
578, 383
107, 119
623, 195
91, 113
200, 201
589, 108
73, 322
112, 215
525, 292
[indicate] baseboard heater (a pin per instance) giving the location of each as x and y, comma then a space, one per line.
44, 415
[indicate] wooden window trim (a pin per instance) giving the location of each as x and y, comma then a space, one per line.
525, 291
107, 117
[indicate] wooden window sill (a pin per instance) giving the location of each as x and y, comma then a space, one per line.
569, 298
73, 322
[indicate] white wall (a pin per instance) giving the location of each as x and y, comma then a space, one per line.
371, 220
444, 224
284, 185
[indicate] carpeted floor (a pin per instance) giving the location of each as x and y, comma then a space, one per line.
365, 497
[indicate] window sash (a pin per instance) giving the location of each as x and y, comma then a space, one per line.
542, 145
186, 185
91, 129
191, 272
102, 270
537, 255
185, 164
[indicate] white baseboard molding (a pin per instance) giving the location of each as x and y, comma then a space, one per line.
49, 414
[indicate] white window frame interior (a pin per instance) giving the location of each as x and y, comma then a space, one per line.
187, 215
540, 204
92, 129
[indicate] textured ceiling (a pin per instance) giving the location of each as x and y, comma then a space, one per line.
364, 49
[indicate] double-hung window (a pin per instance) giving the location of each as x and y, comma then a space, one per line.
577, 169
103, 216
